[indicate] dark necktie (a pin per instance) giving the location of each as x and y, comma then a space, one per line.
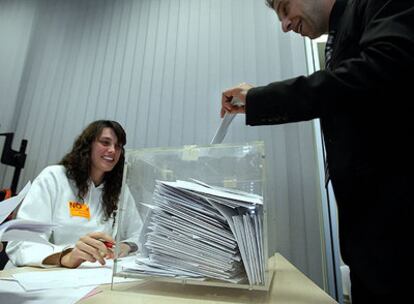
328, 57
329, 48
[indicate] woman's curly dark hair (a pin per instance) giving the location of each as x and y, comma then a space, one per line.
78, 164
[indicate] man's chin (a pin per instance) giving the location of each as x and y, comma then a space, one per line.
314, 36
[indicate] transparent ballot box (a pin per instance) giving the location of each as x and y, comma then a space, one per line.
203, 216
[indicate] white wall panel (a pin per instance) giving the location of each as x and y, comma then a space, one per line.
158, 67
16, 21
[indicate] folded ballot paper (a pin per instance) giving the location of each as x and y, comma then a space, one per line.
198, 231
225, 123
20, 230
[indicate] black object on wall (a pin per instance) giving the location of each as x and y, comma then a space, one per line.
14, 158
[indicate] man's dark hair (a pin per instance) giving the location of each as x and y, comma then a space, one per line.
78, 164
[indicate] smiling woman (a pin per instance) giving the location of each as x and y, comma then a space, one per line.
98, 156
81, 196
105, 154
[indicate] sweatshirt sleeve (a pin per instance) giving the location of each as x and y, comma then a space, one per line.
132, 222
37, 206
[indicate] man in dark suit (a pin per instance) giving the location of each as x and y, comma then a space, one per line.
363, 99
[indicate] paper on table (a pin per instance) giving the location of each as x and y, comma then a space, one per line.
69, 278
12, 293
7, 206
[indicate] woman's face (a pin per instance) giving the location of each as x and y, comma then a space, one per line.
105, 153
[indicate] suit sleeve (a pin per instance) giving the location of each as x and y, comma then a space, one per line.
382, 64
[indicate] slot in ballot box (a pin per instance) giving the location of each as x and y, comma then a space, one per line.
204, 215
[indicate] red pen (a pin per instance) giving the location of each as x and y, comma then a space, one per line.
108, 244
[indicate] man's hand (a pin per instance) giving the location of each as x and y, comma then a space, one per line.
90, 248
237, 93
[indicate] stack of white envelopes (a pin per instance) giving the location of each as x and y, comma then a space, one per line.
199, 231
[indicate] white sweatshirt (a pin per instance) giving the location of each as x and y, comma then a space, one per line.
48, 202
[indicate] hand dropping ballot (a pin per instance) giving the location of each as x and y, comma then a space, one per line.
20, 230
225, 123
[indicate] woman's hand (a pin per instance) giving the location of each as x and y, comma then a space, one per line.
90, 248
124, 250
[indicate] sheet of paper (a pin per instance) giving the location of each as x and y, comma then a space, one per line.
24, 230
146, 266
7, 206
12, 293
22, 235
241, 241
222, 129
215, 192
234, 191
20, 230
69, 278
225, 123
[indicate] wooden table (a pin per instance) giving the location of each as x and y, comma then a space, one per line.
289, 285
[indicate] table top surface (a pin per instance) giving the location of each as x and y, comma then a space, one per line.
289, 285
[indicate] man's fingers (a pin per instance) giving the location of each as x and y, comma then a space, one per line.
222, 112
238, 92
226, 99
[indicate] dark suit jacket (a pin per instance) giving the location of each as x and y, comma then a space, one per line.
364, 102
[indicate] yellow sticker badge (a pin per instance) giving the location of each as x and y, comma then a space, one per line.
79, 209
